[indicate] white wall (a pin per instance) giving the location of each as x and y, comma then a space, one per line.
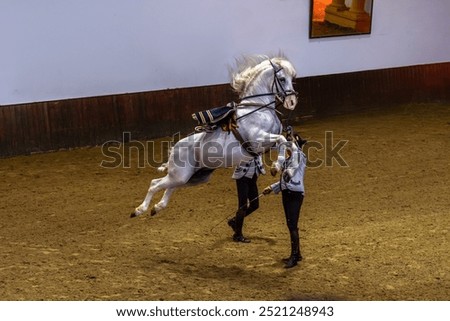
56, 49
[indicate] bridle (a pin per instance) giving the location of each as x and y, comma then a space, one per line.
277, 84
278, 92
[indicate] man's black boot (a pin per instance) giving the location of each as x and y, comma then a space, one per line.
295, 251
239, 222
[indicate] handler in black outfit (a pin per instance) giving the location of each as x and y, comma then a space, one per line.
246, 176
292, 191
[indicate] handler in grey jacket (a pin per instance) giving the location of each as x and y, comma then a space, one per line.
246, 176
292, 191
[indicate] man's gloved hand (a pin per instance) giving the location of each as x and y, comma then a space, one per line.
267, 190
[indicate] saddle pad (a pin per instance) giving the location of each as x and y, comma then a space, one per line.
214, 115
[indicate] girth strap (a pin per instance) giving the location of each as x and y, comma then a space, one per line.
245, 144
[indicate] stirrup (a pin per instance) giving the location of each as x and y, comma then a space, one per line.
205, 128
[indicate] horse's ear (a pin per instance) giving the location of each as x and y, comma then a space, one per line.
271, 63
276, 68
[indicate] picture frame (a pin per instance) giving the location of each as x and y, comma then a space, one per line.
334, 18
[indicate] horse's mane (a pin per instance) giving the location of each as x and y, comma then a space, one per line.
244, 70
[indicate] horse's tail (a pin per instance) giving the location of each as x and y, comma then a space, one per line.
165, 165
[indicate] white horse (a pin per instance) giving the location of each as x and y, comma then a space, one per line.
262, 83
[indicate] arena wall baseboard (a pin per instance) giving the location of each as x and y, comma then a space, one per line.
54, 125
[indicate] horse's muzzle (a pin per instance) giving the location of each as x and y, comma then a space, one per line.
290, 101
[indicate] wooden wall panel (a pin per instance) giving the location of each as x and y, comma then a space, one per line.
53, 125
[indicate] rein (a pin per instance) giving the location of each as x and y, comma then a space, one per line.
259, 108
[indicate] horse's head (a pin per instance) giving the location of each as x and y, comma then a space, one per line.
261, 76
283, 82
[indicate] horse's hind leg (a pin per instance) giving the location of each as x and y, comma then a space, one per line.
148, 198
175, 178
163, 202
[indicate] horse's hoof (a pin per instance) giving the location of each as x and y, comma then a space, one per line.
153, 212
136, 213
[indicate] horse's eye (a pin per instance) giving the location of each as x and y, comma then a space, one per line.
282, 79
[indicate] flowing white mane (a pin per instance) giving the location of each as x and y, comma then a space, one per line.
249, 67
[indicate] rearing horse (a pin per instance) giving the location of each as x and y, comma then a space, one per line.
262, 83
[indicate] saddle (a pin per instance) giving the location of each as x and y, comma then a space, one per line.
223, 117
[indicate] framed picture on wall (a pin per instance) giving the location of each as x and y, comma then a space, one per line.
333, 18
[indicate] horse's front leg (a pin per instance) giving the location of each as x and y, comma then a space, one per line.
280, 142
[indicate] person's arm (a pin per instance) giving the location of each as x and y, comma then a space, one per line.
275, 187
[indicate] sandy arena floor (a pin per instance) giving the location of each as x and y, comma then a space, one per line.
377, 229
